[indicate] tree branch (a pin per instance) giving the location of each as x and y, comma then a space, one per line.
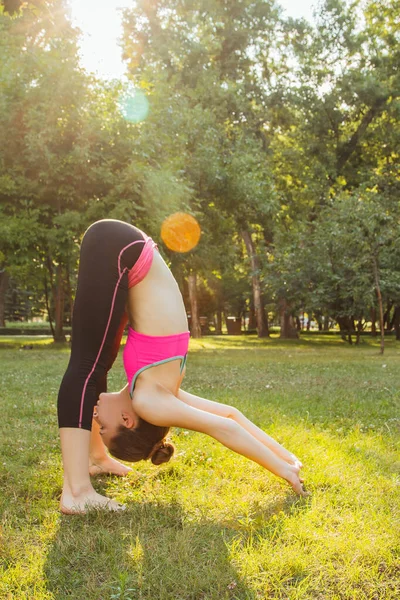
348, 148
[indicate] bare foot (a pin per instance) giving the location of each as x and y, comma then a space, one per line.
107, 466
292, 476
90, 500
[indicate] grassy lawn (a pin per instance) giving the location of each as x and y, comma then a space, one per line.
211, 525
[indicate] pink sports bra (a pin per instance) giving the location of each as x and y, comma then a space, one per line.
144, 351
143, 263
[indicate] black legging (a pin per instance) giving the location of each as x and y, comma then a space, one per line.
99, 317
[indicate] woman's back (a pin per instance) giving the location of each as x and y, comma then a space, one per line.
155, 305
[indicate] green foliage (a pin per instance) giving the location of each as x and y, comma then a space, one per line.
277, 127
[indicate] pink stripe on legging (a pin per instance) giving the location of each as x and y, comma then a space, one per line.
107, 327
126, 247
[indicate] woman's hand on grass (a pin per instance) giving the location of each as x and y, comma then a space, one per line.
287, 456
292, 476
293, 460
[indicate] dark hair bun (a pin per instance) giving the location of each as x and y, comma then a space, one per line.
163, 454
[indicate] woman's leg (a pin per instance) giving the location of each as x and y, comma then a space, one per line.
109, 249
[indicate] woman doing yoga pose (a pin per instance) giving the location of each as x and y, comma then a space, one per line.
123, 277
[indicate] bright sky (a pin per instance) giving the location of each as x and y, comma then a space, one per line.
100, 22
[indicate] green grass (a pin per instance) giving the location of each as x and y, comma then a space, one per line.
210, 525
27, 324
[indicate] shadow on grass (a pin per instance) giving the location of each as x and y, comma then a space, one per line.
267, 521
152, 551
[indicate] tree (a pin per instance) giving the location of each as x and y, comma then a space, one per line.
57, 171
195, 60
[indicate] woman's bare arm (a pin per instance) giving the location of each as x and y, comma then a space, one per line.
164, 409
231, 412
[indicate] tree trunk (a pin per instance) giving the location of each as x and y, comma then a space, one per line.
358, 331
379, 296
46, 295
373, 322
386, 316
393, 319
215, 284
288, 330
195, 328
59, 298
4, 278
252, 316
218, 327
262, 322
69, 294
396, 322
346, 329
225, 314
326, 323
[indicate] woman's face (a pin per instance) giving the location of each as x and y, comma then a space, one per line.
112, 411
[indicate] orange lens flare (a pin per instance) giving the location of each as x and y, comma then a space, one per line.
180, 232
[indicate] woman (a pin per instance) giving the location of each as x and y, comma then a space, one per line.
122, 276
